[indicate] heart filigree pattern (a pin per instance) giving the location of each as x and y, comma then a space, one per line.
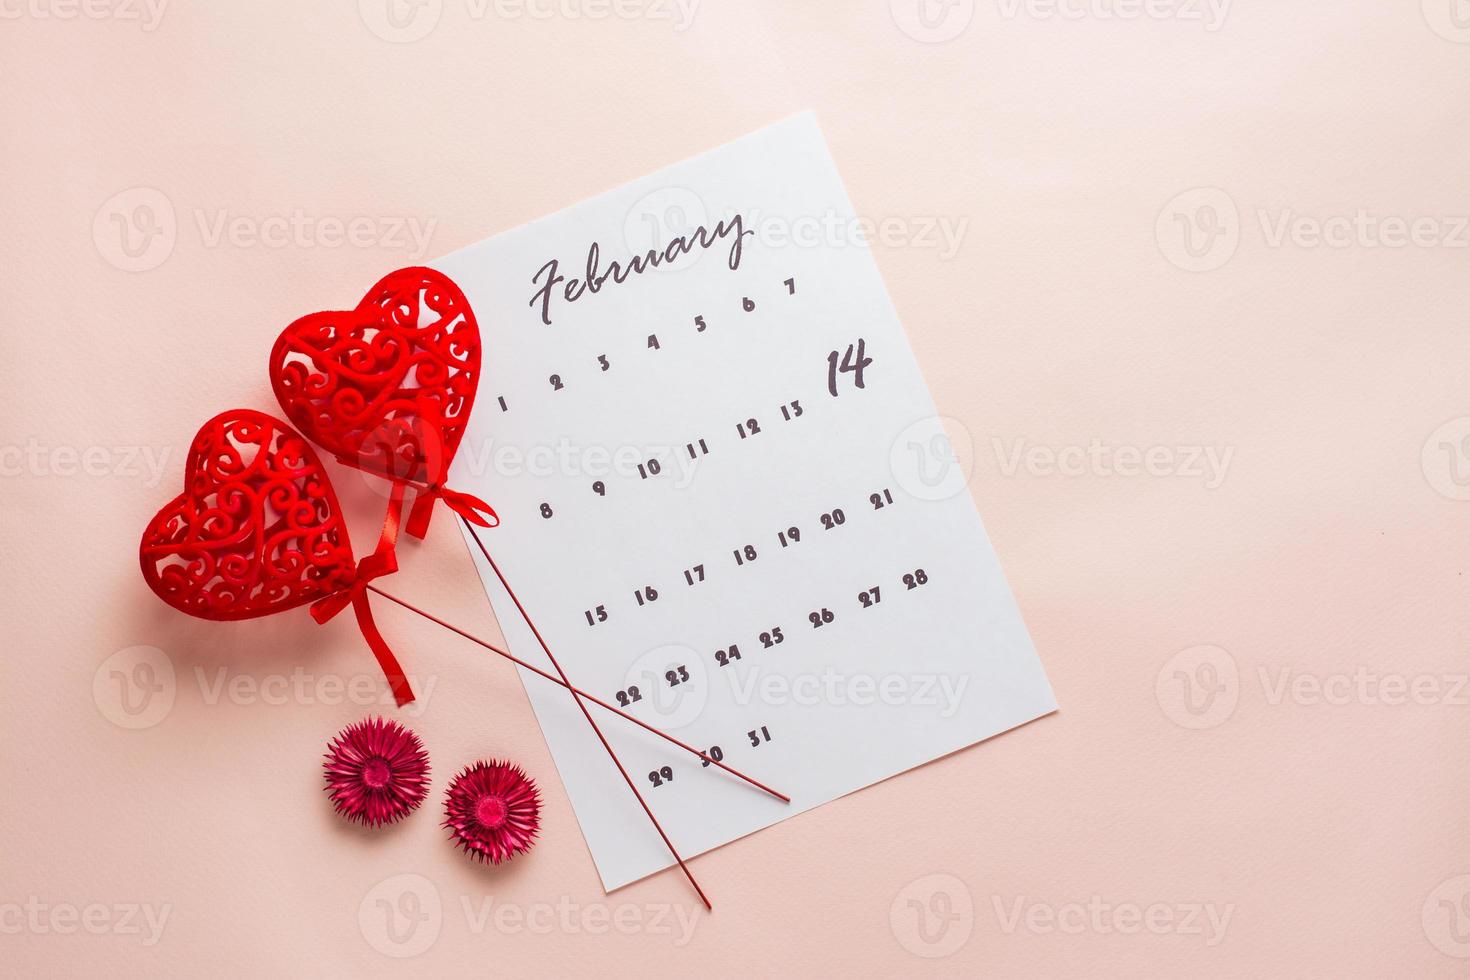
257, 529
387, 386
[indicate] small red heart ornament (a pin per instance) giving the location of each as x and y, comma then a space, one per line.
258, 531
387, 387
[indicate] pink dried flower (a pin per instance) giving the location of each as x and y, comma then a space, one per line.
493, 811
377, 772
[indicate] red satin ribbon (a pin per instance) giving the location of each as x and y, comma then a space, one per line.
466, 505
354, 592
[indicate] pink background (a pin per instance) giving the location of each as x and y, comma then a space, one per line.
1330, 828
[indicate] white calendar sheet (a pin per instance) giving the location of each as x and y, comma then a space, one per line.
727, 502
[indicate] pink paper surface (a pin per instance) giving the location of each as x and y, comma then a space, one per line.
1255, 629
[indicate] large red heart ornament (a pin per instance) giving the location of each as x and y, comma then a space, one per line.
258, 531
388, 386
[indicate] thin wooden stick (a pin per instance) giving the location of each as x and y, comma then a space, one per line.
588, 715
590, 697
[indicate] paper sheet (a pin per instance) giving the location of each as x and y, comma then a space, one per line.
728, 503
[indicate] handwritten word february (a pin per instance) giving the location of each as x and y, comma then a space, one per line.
595, 277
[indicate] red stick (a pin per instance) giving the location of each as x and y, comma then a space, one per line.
590, 697
588, 715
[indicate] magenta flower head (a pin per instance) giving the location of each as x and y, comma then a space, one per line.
377, 772
492, 810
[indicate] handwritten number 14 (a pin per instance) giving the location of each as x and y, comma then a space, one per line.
854, 362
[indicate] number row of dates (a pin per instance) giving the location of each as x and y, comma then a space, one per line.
652, 467
743, 555
773, 637
665, 774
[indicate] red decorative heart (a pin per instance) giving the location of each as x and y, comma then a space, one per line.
257, 529
386, 387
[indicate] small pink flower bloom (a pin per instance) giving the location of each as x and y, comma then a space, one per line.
493, 811
377, 772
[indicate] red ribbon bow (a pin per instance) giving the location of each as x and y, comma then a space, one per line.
353, 591
466, 505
